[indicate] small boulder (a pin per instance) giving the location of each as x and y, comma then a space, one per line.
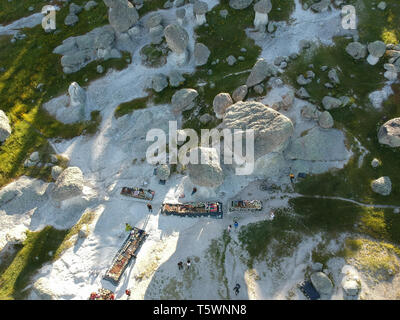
69, 184
221, 102
382, 186
325, 120
201, 54
389, 133
184, 99
5, 128
240, 4
331, 103
177, 38
356, 50
240, 93
322, 283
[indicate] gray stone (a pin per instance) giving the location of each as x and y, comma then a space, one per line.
153, 20
240, 93
177, 38
71, 20
319, 145
175, 78
325, 120
382, 5
34, 157
310, 112
301, 80
316, 267
356, 50
321, 6
122, 16
180, 13
206, 173
302, 93
322, 283
375, 163
77, 96
201, 54
382, 186
331, 103
99, 69
231, 60
5, 128
240, 4
333, 76
90, 4
159, 82
223, 13
220, 103
259, 89
56, 171
69, 184
261, 70
389, 133
184, 99
272, 130
263, 6
206, 118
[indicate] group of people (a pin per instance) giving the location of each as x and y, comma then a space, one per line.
180, 264
235, 223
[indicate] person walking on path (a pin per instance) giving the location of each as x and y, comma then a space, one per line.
180, 265
194, 190
229, 228
188, 263
128, 293
236, 288
236, 224
149, 206
291, 176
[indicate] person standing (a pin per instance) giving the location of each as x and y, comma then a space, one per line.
291, 176
188, 263
128, 293
180, 265
236, 288
194, 190
236, 224
229, 228
150, 207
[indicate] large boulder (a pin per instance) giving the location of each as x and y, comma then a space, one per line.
319, 145
208, 174
184, 99
240, 4
356, 50
201, 54
261, 70
122, 15
272, 129
331, 103
177, 38
221, 102
5, 128
240, 93
325, 120
69, 184
322, 283
263, 6
389, 133
383, 186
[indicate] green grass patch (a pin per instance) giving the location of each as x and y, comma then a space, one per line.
13, 10
130, 106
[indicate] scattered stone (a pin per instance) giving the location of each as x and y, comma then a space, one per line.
240, 4
261, 70
200, 9
5, 128
259, 89
99, 69
325, 120
122, 15
331, 103
90, 4
382, 5
316, 267
56, 171
301, 80
223, 13
207, 173
389, 133
310, 112
333, 76
375, 163
201, 54
206, 118
302, 93
77, 96
220, 103
261, 8
231, 60
159, 82
168, 4
184, 99
71, 20
382, 186
322, 283
176, 79
240, 93
177, 38
356, 50
69, 184
376, 50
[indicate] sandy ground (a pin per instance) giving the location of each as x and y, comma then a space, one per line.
106, 161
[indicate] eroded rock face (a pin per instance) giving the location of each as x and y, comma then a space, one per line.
383, 186
177, 38
122, 15
184, 99
389, 133
5, 128
272, 129
221, 102
69, 184
208, 174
